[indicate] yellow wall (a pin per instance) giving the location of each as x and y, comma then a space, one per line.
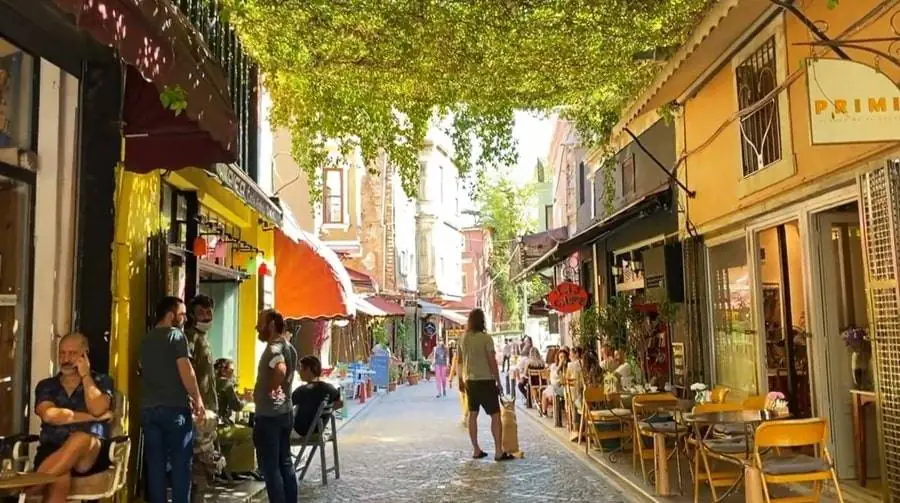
715, 170
137, 217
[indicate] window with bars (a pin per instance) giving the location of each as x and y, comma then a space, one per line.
756, 77
334, 196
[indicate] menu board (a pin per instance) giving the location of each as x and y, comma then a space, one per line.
381, 365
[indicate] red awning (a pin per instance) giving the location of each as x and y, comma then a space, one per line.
361, 279
310, 281
159, 42
390, 307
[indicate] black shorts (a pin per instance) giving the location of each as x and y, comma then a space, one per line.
483, 394
101, 465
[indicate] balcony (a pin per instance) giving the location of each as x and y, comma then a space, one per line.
240, 73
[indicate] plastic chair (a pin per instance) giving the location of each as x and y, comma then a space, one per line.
795, 468
709, 448
609, 413
322, 431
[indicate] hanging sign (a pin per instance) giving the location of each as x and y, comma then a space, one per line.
567, 297
238, 182
429, 328
851, 102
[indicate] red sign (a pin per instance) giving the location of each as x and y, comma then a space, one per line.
567, 297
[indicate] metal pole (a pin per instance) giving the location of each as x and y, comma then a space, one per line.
788, 318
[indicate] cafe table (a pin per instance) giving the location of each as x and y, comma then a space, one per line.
750, 419
675, 408
16, 483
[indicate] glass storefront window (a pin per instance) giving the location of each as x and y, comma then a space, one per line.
734, 342
16, 207
16, 97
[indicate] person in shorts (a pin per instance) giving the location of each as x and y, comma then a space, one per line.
75, 410
480, 380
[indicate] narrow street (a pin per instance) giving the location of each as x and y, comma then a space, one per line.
410, 447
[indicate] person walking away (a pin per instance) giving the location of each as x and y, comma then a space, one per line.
507, 354
169, 394
209, 462
272, 398
439, 363
480, 380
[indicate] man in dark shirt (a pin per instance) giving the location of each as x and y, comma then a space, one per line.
74, 407
307, 398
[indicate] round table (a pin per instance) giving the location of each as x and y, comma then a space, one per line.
20, 482
660, 453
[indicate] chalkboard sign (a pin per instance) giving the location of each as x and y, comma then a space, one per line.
381, 364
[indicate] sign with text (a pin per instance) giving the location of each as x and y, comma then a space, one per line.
851, 102
381, 364
567, 297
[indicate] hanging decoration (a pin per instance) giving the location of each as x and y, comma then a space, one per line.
201, 247
219, 251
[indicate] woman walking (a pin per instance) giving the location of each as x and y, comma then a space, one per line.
439, 363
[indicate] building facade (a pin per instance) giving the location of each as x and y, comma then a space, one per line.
477, 282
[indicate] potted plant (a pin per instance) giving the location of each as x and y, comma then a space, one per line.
395, 378
412, 373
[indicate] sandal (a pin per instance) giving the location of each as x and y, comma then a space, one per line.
504, 457
481, 455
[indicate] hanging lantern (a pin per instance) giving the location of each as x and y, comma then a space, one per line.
201, 247
252, 262
219, 251
263, 269
239, 261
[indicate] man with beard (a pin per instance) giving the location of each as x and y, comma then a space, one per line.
272, 398
209, 462
74, 407
169, 392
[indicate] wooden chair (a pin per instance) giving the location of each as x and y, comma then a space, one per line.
755, 402
537, 381
719, 393
792, 467
708, 448
643, 407
571, 412
600, 409
99, 486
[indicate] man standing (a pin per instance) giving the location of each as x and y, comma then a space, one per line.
208, 461
480, 380
272, 397
168, 393
507, 354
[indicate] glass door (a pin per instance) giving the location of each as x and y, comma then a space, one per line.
16, 252
783, 319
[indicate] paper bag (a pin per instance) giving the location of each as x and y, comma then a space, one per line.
510, 429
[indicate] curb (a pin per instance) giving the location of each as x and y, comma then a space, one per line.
616, 479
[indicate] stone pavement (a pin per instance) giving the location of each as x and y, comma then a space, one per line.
410, 447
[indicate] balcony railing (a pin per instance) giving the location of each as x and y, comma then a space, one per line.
239, 70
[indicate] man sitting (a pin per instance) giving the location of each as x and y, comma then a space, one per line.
308, 397
74, 407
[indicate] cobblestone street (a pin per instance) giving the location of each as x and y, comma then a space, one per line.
411, 447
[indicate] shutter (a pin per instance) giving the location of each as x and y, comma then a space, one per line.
880, 208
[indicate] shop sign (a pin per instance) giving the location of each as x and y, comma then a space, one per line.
238, 182
851, 102
455, 333
567, 297
429, 328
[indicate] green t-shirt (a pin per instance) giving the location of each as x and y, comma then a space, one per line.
476, 350
160, 381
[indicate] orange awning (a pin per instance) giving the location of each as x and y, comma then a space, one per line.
310, 281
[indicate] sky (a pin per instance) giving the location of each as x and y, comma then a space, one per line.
532, 136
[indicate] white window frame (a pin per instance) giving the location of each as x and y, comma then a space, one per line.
786, 167
345, 200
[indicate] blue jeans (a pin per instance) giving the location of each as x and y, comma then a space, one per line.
168, 438
272, 437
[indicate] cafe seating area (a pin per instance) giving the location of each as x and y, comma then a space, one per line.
718, 446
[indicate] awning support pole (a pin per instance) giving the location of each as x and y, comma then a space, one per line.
691, 193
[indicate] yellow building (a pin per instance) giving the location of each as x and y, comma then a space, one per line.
186, 232
787, 127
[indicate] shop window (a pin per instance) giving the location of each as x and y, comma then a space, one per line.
334, 196
18, 101
629, 180
734, 342
756, 77
16, 229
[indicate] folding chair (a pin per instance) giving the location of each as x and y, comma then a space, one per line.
644, 407
600, 409
719, 393
322, 431
537, 381
706, 448
781, 468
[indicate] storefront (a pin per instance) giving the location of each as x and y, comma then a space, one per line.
41, 62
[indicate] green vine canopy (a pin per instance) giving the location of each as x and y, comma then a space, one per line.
373, 76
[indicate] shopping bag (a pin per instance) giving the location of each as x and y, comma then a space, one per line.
510, 428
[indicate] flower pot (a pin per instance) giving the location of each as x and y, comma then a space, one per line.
370, 387
392, 387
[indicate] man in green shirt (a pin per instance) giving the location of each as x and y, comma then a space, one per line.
480, 380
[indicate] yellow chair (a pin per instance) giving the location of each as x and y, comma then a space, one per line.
538, 379
719, 393
713, 447
569, 394
601, 409
643, 407
755, 402
790, 468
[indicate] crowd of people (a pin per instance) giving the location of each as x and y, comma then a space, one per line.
188, 403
